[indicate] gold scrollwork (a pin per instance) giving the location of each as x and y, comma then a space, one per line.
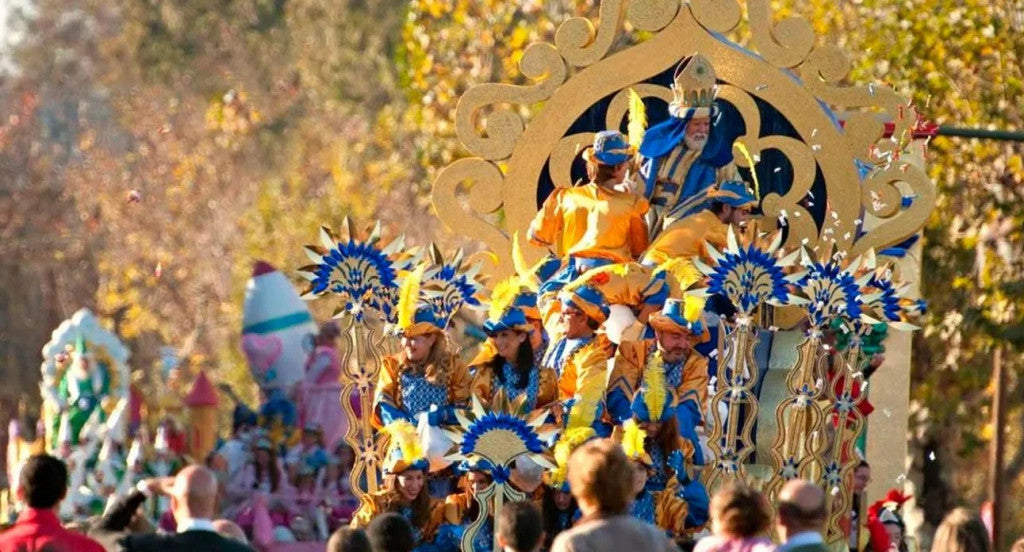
541, 62
680, 30
651, 15
485, 182
882, 197
582, 45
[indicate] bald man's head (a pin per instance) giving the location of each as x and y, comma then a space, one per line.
801, 507
195, 492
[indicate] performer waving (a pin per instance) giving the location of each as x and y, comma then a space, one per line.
425, 377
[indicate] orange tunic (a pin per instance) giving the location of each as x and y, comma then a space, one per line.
593, 222
685, 238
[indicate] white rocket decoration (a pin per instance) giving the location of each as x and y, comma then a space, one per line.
273, 309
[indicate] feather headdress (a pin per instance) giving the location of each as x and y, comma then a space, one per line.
415, 316
409, 297
585, 409
502, 298
654, 387
406, 451
570, 440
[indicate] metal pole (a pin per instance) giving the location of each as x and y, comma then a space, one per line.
998, 422
1001, 135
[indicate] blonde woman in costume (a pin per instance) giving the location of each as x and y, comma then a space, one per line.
425, 377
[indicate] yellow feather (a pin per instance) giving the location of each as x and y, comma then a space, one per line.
409, 297
693, 307
633, 439
583, 412
502, 297
518, 259
570, 440
750, 163
637, 119
406, 440
654, 383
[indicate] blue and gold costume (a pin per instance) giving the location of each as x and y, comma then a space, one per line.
594, 224
582, 363
671, 498
676, 175
406, 454
687, 237
405, 390
539, 385
638, 363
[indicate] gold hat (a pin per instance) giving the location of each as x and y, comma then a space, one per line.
693, 87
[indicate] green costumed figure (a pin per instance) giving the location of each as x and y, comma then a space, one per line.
81, 391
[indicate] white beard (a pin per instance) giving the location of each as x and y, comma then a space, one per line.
696, 142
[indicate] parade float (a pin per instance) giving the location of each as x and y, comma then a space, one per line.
841, 193
818, 284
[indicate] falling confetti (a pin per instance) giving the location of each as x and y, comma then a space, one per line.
816, 147
133, 196
871, 89
931, 456
158, 271
814, 133
760, 87
164, 129
777, 170
887, 412
901, 478
835, 491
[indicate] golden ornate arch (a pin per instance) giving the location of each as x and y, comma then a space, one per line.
781, 65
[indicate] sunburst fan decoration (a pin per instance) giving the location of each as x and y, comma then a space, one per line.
449, 285
363, 273
833, 289
886, 298
750, 271
491, 440
496, 436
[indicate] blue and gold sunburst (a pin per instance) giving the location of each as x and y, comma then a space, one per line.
750, 270
494, 437
363, 273
449, 285
833, 289
886, 297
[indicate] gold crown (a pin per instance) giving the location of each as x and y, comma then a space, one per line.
694, 83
